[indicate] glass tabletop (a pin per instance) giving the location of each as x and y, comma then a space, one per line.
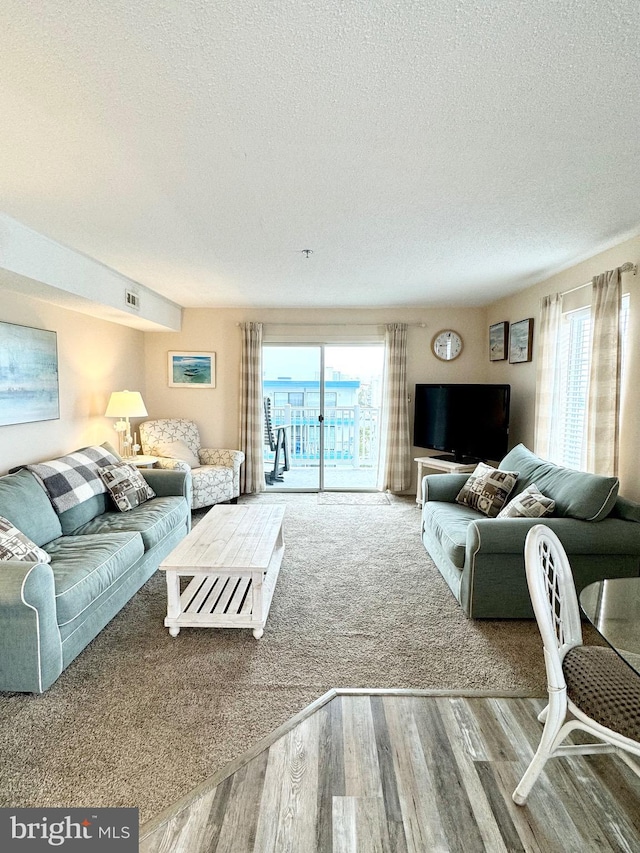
613, 608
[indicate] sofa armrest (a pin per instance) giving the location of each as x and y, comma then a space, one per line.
169, 482
31, 658
442, 487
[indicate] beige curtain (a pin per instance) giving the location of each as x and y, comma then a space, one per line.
251, 410
547, 379
396, 467
603, 406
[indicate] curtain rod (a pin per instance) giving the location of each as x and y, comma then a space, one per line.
628, 267
370, 325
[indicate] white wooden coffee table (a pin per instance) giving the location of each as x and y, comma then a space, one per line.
233, 557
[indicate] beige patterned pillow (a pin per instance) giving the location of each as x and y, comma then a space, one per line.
487, 489
178, 449
126, 485
14, 545
530, 503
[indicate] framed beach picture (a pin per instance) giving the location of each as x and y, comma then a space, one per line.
192, 369
498, 336
521, 341
28, 375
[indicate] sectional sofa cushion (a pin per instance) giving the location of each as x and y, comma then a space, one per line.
25, 504
448, 522
153, 520
14, 545
487, 489
85, 568
588, 497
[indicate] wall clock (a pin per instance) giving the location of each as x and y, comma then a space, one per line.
446, 345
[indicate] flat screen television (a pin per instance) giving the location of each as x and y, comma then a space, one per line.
469, 423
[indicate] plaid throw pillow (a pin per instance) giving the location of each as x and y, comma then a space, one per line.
14, 545
126, 485
487, 489
530, 503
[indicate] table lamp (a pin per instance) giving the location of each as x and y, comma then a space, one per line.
125, 405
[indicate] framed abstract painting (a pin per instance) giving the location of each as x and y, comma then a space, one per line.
29, 388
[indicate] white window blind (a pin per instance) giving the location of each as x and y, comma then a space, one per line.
569, 446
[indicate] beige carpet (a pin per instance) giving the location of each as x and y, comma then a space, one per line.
140, 718
354, 498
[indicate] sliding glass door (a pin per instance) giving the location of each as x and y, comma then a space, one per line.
323, 415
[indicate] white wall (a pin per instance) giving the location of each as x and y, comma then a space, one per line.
95, 357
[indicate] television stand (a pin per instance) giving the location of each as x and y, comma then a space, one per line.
445, 465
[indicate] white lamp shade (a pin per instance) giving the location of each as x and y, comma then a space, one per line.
126, 404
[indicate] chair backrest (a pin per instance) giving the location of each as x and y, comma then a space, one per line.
554, 599
269, 434
163, 430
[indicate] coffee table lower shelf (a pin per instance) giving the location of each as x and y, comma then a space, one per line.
234, 599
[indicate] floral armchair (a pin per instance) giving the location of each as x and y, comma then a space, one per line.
176, 442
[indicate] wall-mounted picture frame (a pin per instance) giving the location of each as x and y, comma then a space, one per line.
28, 375
521, 341
192, 369
498, 338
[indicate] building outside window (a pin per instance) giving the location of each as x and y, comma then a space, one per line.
569, 440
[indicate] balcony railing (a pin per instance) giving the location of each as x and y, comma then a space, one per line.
351, 435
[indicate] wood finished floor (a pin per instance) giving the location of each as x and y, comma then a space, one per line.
413, 775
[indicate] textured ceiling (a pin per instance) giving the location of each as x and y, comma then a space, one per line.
427, 151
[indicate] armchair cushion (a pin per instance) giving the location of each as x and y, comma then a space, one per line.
178, 449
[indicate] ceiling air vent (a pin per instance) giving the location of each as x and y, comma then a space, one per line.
132, 299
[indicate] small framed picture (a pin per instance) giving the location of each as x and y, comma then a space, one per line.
498, 337
192, 369
521, 341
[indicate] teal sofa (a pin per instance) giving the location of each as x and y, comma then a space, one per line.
482, 559
100, 557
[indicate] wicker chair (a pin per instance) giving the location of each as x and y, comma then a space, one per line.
590, 687
215, 473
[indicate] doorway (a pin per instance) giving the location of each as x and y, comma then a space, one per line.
326, 399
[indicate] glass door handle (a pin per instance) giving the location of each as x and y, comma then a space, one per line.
321, 418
